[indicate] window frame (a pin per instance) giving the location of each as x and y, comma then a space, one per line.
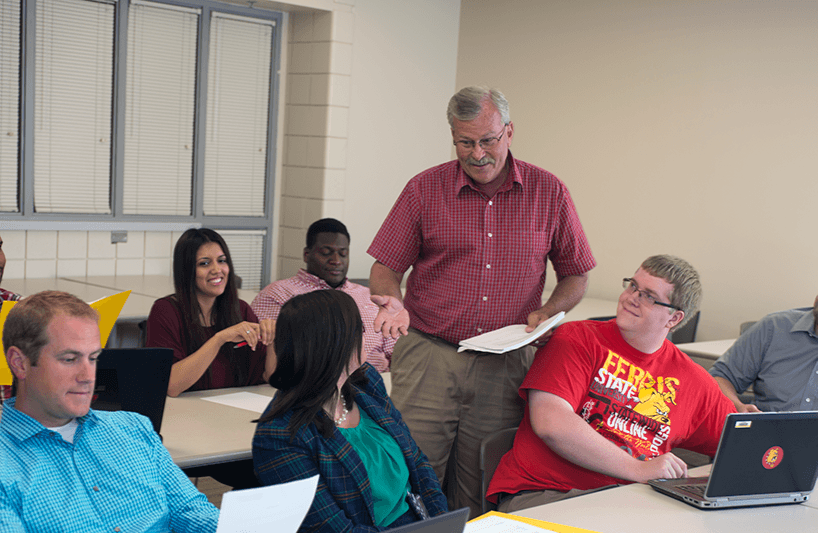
27, 219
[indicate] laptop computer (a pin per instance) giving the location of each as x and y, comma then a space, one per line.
451, 522
762, 459
133, 379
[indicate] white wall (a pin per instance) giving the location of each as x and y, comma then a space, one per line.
368, 82
688, 128
403, 74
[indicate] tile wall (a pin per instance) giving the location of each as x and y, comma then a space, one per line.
48, 254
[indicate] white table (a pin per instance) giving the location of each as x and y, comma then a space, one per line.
591, 308
705, 353
638, 508
200, 433
154, 286
136, 307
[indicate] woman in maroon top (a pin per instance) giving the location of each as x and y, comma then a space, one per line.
217, 340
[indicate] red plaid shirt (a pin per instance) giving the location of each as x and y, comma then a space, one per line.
479, 263
5, 390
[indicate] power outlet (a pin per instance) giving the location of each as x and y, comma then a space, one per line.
119, 236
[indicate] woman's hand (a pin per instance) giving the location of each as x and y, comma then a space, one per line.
267, 331
242, 332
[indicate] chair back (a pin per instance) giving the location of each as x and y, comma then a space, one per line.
492, 449
686, 333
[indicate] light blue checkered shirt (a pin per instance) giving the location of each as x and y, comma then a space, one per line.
116, 477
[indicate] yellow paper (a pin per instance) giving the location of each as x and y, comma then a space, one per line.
5, 371
108, 309
550, 526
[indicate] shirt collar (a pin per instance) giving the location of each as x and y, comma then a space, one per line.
21, 426
463, 180
805, 323
313, 280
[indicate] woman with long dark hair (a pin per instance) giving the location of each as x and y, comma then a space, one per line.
332, 417
217, 340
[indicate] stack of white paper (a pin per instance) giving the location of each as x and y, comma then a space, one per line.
508, 338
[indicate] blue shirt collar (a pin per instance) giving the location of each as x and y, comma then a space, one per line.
22, 427
805, 323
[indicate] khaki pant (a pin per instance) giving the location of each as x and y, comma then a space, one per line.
451, 401
528, 499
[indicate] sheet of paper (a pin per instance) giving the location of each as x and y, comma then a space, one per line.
243, 400
279, 508
499, 524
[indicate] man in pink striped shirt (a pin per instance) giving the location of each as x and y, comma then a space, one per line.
327, 259
478, 232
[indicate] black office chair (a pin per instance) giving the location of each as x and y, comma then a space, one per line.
686, 333
492, 449
143, 332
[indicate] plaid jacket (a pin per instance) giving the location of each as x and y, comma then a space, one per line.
343, 501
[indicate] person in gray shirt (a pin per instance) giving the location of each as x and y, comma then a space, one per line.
778, 356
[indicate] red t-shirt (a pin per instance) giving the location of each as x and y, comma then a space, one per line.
645, 403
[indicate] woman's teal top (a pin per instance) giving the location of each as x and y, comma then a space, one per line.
384, 462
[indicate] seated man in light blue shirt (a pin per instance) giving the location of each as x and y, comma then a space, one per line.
65, 467
778, 356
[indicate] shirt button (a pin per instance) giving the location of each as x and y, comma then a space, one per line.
488, 266
117, 528
485, 298
491, 235
479, 330
491, 203
809, 400
96, 489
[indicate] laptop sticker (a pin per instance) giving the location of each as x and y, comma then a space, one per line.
772, 457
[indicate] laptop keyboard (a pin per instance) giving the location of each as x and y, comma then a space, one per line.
697, 489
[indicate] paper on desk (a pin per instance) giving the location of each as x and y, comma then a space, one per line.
508, 338
279, 508
494, 522
243, 400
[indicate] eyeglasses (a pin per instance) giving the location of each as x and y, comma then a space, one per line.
644, 298
485, 144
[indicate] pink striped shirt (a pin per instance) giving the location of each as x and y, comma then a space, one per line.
478, 262
267, 304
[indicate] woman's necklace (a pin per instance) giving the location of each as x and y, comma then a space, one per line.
341, 419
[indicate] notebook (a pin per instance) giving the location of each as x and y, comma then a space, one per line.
133, 379
762, 459
451, 522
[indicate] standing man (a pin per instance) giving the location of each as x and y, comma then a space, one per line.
5, 390
477, 232
778, 356
65, 467
327, 259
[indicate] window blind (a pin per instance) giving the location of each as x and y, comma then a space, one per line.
72, 110
159, 109
247, 252
9, 103
238, 93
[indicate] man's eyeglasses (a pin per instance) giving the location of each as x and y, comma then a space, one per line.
485, 144
644, 298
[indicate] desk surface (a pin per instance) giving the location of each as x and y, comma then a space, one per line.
638, 507
591, 308
707, 349
198, 433
136, 307
151, 286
